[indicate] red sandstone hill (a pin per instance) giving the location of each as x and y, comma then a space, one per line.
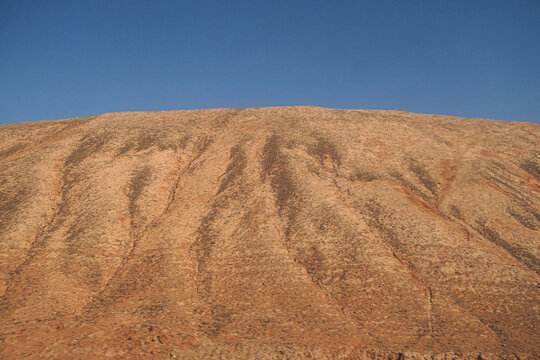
270, 233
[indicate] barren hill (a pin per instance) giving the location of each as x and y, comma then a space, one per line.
270, 233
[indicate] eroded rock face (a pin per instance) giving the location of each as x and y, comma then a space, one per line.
295, 232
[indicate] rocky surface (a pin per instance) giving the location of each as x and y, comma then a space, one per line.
270, 233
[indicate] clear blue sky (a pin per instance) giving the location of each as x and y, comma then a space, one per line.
475, 58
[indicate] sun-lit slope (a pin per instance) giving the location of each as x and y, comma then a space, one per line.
295, 232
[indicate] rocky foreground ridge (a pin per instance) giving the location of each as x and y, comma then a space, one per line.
270, 233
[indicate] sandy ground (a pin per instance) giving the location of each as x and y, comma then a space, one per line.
270, 233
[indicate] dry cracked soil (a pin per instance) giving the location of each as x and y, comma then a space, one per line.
270, 233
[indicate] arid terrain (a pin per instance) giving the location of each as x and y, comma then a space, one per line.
270, 233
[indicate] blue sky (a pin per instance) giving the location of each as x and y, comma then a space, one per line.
62, 59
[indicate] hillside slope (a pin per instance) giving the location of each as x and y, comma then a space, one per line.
294, 232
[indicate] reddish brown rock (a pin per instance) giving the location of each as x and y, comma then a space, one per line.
296, 232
